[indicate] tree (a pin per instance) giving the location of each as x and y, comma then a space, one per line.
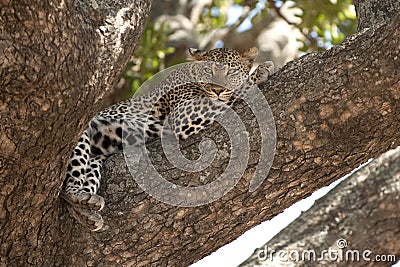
58, 61
325, 107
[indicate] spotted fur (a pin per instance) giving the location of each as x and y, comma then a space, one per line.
189, 99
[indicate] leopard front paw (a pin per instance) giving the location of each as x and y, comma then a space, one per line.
263, 71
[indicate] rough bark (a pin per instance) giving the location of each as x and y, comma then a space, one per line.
374, 12
58, 59
362, 211
333, 111
325, 105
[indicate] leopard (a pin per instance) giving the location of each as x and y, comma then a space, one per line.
188, 100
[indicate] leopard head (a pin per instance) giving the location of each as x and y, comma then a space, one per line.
227, 68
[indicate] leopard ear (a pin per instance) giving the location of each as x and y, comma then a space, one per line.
250, 55
195, 54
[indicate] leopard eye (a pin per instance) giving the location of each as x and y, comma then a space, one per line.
207, 70
232, 71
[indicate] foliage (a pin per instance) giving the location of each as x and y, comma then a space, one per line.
149, 56
213, 17
327, 22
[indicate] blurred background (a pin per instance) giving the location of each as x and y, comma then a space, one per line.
281, 30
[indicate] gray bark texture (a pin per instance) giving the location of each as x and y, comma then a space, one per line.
333, 110
360, 214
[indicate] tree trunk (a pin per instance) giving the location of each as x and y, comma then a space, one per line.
326, 108
58, 61
361, 214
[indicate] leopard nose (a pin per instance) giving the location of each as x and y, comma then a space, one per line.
218, 90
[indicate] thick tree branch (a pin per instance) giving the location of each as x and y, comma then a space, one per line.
364, 210
333, 111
